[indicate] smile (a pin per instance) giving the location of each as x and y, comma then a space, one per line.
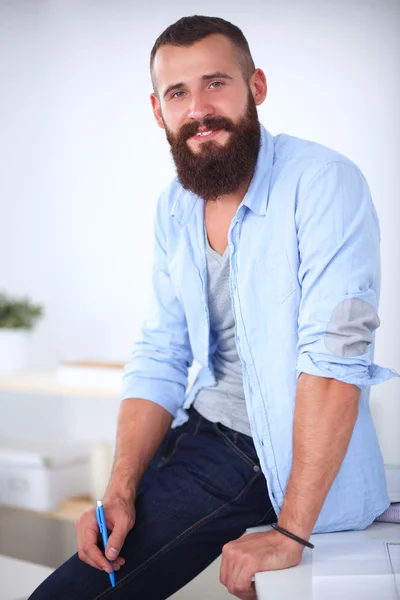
205, 135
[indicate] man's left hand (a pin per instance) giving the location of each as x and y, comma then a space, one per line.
252, 553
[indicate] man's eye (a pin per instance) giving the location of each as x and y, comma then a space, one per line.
216, 83
176, 95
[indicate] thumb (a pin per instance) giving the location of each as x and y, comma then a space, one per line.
115, 542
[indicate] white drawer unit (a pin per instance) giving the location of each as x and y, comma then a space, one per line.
39, 475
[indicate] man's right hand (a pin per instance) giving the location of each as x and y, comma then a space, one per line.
120, 518
142, 426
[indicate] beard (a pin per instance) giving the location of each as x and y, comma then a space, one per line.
217, 170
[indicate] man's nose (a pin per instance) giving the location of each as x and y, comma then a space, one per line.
200, 107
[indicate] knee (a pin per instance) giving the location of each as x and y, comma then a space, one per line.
41, 593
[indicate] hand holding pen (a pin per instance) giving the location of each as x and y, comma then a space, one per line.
120, 517
101, 521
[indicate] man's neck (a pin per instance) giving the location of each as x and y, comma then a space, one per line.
218, 216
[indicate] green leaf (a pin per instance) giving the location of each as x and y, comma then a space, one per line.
18, 312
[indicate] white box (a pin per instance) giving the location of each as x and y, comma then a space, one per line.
39, 475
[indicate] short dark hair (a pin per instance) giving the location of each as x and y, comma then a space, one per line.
189, 30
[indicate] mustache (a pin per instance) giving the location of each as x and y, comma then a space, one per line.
211, 123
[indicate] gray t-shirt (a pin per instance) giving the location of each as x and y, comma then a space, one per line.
225, 402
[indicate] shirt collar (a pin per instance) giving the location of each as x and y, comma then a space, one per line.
256, 198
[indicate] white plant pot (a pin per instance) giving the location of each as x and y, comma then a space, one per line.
13, 349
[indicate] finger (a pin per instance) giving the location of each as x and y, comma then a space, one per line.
117, 538
247, 596
86, 559
108, 567
86, 530
226, 563
251, 595
223, 570
230, 580
97, 557
94, 563
88, 550
119, 561
243, 586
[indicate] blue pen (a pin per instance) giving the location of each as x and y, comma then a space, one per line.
101, 521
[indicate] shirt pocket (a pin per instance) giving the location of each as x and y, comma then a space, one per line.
274, 276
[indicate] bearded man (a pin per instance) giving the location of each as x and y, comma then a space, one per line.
266, 273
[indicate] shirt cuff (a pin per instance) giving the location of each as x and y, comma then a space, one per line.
168, 394
351, 372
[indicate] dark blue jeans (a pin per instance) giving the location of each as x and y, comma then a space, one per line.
203, 488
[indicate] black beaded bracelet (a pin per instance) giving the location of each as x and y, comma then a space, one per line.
291, 535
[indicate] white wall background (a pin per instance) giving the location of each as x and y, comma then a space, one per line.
82, 161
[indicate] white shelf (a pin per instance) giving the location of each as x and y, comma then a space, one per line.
48, 383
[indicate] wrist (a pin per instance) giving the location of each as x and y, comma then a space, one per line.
295, 526
291, 546
121, 489
305, 543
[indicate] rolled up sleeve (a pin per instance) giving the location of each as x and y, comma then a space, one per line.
339, 275
158, 369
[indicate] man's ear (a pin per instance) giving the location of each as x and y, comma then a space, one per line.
155, 104
258, 86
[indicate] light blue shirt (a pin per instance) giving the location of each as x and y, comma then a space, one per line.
305, 275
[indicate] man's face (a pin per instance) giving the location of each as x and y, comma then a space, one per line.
209, 114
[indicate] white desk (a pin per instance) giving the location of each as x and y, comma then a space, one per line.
19, 578
354, 565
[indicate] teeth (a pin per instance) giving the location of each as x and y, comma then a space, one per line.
203, 133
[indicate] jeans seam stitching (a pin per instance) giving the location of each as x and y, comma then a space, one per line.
187, 531
176, 446
165, 460
198, 425
235, 448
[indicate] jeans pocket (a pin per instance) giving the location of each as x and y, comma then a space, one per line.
170, 445
229, 436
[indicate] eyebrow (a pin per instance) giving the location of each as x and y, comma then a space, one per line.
216, 75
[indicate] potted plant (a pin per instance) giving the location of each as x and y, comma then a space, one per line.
17, 317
